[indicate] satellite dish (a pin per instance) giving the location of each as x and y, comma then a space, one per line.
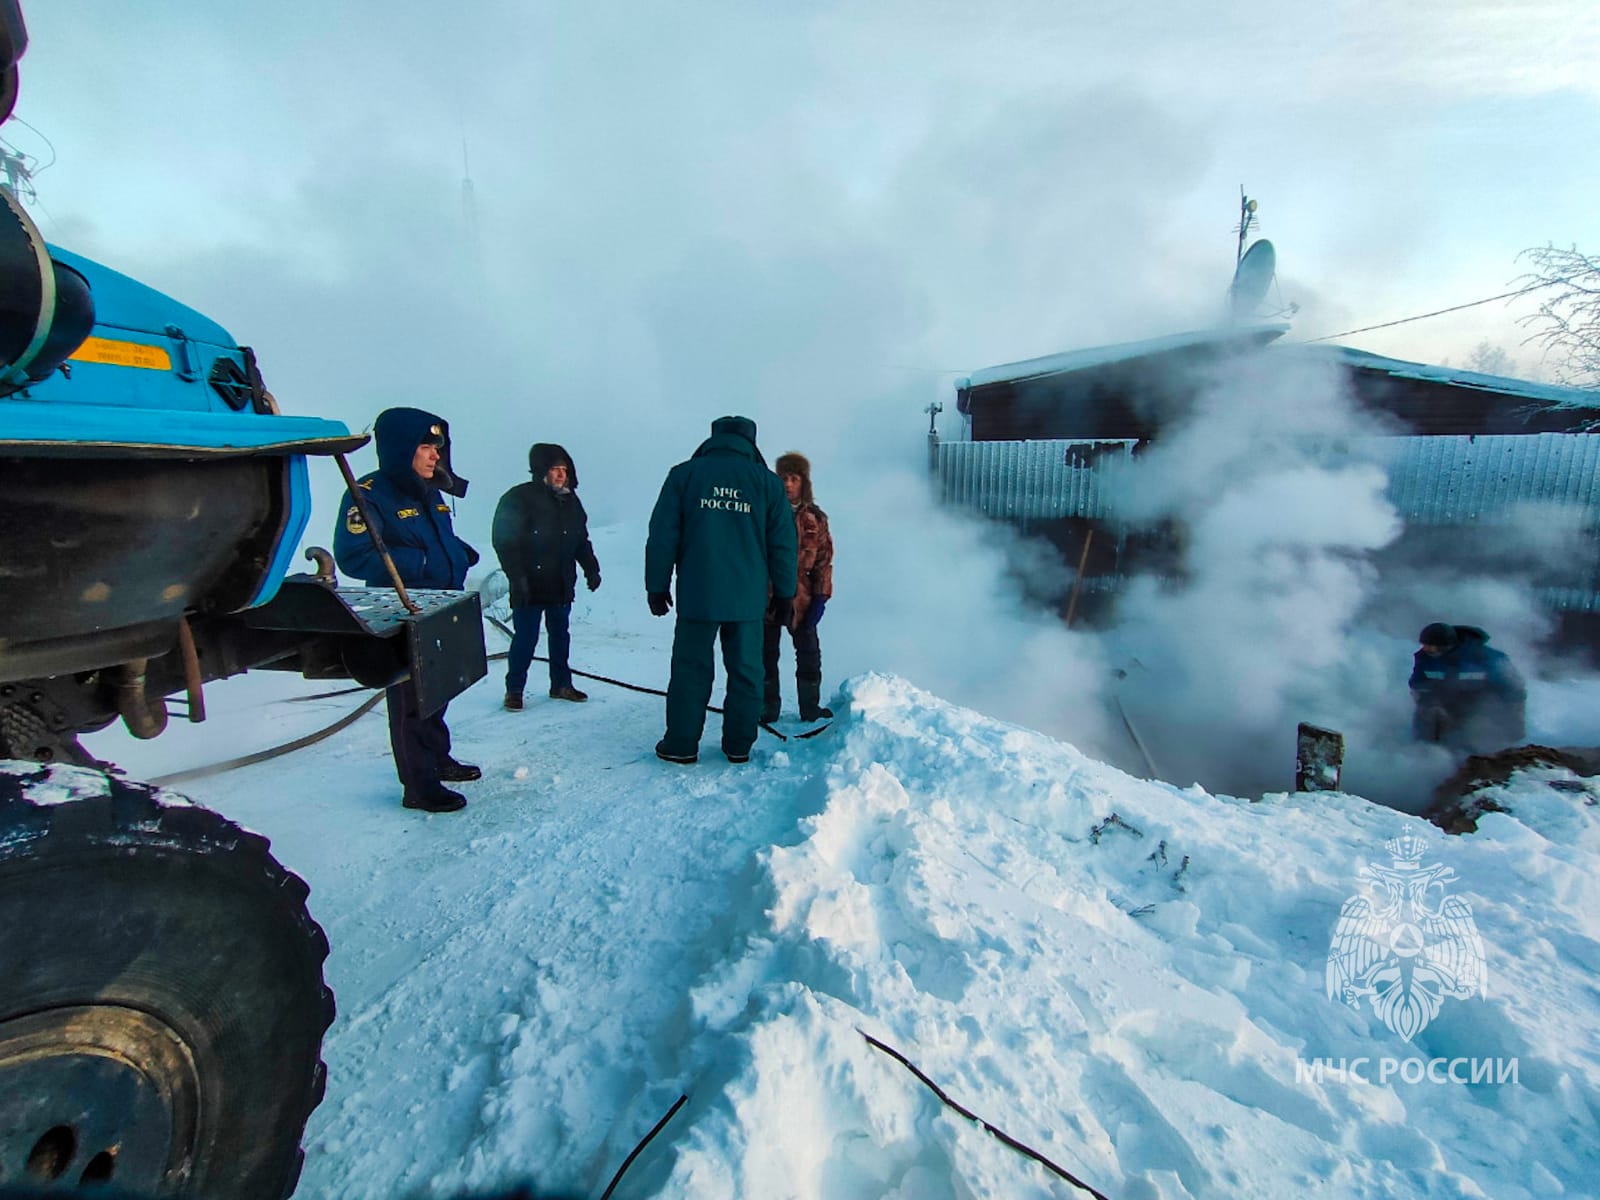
1251, 279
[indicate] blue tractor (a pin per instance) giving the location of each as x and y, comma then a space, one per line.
162, 1003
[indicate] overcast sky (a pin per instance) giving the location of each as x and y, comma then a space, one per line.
817, 213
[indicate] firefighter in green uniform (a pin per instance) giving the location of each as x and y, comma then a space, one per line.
723, 523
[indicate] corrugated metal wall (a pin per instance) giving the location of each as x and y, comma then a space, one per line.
1432, 480
1468, 481
1017, 481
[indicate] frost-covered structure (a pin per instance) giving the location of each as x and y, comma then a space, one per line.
1488, 475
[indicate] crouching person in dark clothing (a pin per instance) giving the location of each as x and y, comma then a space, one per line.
404, 498
541, 535
723, 525
1468, 696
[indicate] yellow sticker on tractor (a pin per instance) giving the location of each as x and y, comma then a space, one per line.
123, 354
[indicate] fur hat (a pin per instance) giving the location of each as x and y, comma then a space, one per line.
792, 462
740, 426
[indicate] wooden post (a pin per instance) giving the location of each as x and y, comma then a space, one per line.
1077, 584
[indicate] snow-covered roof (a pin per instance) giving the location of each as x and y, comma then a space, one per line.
1361, 360
1099, 356
1089, 358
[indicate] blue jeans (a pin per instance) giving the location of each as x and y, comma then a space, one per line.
525, 640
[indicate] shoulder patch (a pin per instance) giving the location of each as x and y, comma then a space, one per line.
353, 522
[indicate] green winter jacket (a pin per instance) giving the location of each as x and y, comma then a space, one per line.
723, 522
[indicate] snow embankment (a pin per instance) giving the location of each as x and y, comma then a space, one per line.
1129, 978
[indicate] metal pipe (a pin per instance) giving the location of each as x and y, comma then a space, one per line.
372, 532
143, 717
325, 570
1138, 741
192, 681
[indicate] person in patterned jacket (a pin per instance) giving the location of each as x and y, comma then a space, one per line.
813, 589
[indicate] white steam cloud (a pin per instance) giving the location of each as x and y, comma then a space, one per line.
816, 215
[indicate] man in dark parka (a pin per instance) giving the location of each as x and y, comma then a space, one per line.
723, 524
1467, 694
541, 535
404, 498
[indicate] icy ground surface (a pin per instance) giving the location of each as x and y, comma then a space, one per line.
1126, 976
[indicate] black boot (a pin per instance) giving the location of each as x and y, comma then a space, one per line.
436, 800
666, 755
811, 700
451, 771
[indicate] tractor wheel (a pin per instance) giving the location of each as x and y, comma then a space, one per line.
161, 996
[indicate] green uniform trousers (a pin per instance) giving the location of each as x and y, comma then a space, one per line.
693, 671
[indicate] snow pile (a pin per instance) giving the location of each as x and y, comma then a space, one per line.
1557, 802
1125, 977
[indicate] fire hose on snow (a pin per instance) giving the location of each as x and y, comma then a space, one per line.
371, 702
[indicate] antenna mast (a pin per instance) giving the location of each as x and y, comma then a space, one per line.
1247, 217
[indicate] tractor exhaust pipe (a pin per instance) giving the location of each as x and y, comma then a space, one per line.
144, 718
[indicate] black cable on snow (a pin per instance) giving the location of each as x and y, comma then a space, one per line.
637, 687
628, 1162
999, 1134
349, 691
632, 687
246, 760
344, 722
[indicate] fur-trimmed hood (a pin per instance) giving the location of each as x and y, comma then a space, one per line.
544, 455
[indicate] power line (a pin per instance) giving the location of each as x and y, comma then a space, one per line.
1532, 287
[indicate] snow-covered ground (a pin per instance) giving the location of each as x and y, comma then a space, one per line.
1129, 977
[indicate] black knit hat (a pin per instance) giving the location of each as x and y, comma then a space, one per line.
1438, 634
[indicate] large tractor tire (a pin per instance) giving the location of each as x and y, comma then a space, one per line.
161, 997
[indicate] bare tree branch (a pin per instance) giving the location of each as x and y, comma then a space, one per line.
1567, 322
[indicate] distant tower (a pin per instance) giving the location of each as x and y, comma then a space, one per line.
469, 210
